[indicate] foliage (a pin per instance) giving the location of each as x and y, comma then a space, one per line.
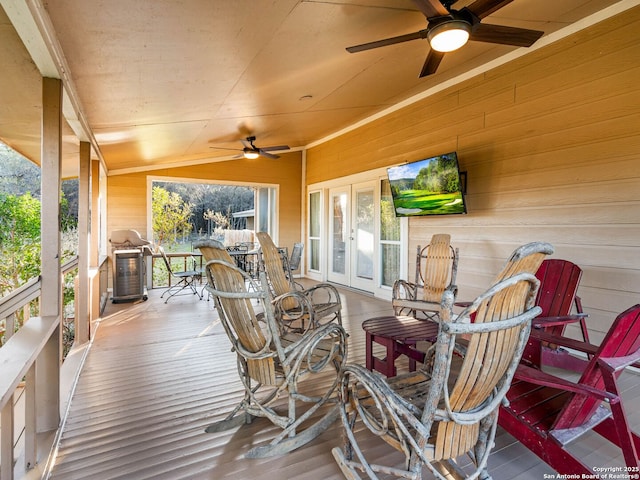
19, 240
225, 199
441, 176
220, 219
17, 174
171, 215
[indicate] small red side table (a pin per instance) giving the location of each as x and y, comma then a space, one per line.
399, 335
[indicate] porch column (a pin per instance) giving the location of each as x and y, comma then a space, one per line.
94, 245
84, 236
48, 364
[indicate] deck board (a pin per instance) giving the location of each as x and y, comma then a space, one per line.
158, 374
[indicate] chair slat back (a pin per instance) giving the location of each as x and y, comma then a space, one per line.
272, 261
233, 303
435, 267
526, 258
559, 280
296, 256
623, 338
490, 356
167, 263
213, 250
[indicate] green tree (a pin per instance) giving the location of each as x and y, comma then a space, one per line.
171, 215
19, 240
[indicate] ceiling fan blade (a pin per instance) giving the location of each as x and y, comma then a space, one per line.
272, 149
431, 63
225, 148
431, 8
388, 41
484, 8
267, 154
520, 37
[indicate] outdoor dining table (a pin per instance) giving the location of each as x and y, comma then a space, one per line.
399, 336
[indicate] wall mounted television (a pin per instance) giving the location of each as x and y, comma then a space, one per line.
431, 186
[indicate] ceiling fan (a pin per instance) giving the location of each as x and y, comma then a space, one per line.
250, 151
449, 29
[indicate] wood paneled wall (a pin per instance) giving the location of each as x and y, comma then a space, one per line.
127, 194
551, 146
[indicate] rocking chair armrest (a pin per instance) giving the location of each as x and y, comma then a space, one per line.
542, 322
402, 289
331, 292
294, 306
415, 304
578, 345
311, 337
616, 364
377, 386
539, 377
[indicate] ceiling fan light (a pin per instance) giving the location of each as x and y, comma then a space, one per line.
250, 154
449, 35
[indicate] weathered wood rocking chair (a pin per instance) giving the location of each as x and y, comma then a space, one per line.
435, 416
546, 412
324, 298
272, 363
436, 269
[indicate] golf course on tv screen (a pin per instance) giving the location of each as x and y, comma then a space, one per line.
427, 187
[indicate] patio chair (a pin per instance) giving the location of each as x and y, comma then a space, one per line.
324, 298
557, 296
273, 363
447, 410
436, 269
186, 279
296, 256
547, 413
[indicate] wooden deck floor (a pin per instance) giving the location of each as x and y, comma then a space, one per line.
158, 374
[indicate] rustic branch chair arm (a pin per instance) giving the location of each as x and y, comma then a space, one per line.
303, 314
403, 289
327, 292
304, 349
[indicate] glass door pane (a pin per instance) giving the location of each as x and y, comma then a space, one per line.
339, 232
315, 218
364, 235
338, 235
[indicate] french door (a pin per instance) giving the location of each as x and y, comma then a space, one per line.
352, 223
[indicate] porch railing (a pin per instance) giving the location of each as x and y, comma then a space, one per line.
35, 346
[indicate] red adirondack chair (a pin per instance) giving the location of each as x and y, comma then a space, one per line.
557, 296
546, 412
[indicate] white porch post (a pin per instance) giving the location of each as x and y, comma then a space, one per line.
84, 235
48, 364
94, 244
